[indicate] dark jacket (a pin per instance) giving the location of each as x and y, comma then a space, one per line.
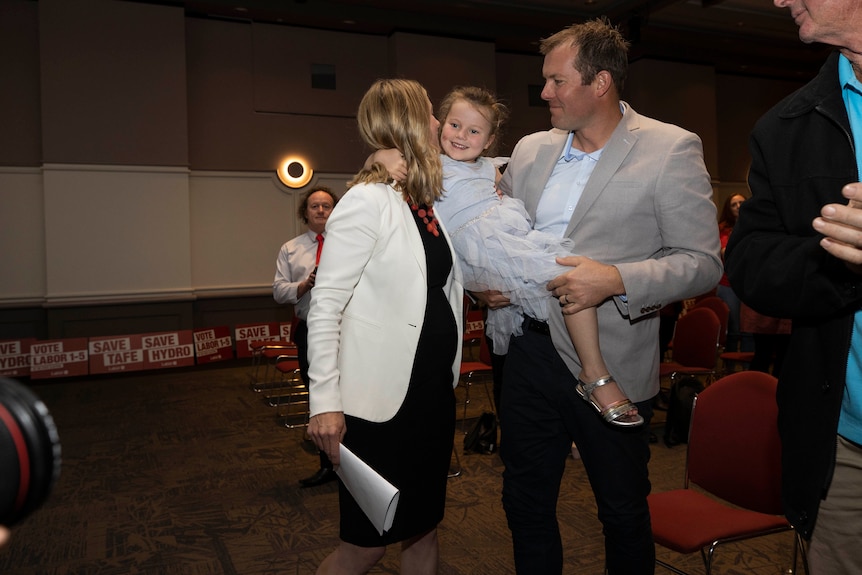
802, 155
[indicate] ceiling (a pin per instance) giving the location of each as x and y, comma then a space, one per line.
750, 37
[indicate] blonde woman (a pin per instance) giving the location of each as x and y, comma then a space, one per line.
384, 335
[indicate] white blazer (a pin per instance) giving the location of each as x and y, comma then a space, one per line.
368, 305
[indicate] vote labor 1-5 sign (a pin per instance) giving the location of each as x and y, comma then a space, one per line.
59, 358
213, 344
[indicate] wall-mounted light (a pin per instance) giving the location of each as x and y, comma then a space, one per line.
294, 172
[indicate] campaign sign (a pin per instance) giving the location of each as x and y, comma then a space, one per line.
213, 344
285, 330
168, 349
247, 333
15, 357
116, 353
59, 358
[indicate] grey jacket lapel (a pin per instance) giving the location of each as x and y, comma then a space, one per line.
546, 158
618, 147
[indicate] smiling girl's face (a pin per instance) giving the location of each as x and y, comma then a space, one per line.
466, 132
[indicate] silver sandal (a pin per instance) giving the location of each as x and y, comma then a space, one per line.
614, 413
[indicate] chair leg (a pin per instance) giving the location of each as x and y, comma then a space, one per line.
458, 469
799, 546
467, 385
490, 396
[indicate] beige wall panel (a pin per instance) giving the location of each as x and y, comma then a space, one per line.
238, 223
113, 83
22, 237
115, 234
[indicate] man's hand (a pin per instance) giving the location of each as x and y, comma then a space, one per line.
327, 430
586, 285
305, 285
492, 299
842, 228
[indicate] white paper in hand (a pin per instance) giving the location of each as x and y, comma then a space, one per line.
377, 497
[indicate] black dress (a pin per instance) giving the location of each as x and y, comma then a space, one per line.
413, 450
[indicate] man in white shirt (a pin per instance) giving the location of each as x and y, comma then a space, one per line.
294, 277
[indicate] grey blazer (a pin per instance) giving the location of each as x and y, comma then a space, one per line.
647, 209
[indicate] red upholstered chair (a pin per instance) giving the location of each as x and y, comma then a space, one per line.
477, 371
290, 398
730, 359
695, 344
267, 352
734, 458
474, 327
722, 312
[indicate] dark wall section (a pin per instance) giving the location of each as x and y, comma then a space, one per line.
20, 114
113, 91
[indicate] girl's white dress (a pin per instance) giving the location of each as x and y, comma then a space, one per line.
497, 247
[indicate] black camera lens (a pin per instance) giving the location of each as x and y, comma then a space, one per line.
29, 452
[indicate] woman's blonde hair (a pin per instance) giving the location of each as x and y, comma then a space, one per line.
395, 113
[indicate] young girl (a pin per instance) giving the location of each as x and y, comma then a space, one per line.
499, 250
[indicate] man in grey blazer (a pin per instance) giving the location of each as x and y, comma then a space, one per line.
634, 195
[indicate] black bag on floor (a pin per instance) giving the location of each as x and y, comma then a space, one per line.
681, 400
482, 437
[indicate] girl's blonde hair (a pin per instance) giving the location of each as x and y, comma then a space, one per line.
485, 103
394, 113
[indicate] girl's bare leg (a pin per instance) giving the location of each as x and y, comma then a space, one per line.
583, 328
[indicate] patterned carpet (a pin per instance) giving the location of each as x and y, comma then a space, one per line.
187, 472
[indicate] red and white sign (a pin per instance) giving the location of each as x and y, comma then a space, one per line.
116, 353
15, 357
168, 349
59, 358
247, 333
213, 344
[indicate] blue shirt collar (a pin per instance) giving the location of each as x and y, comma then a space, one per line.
851, 90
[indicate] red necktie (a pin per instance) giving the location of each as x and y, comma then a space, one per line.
319, 248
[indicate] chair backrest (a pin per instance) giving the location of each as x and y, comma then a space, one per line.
734, 451
696, 337
474, 321
722, 311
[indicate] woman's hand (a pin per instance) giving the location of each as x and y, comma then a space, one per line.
327, 430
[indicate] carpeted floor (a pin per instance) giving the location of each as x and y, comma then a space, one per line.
188, 472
